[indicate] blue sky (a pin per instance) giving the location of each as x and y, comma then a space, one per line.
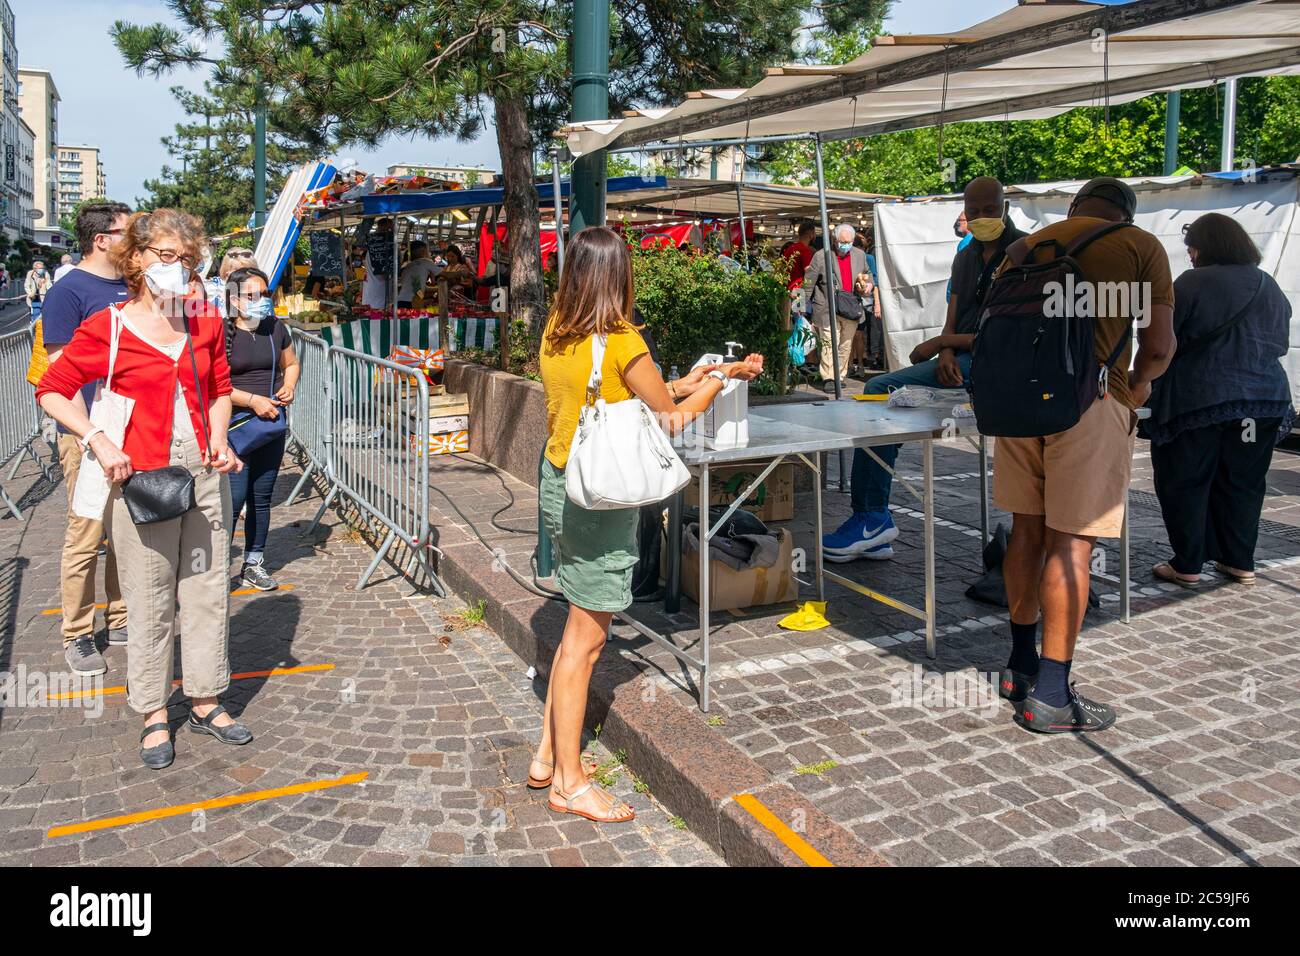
106, 105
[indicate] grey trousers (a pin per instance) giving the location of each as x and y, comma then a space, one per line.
174, 573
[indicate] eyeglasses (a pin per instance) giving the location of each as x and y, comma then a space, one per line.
111, 232
168, 256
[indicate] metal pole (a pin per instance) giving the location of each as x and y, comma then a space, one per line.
396, 261
590, 102
831, 269
1173, 118
740, 209
259, 160
1229, 125
343, 250
559, 208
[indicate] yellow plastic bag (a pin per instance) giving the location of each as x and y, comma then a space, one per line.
40, 358
809, 616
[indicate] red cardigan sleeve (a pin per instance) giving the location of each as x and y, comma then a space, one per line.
218, 367
82, 361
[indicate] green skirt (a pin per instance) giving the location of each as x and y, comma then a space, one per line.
595, 551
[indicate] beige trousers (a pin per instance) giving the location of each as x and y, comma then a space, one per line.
174, 573
848, 329
81, 544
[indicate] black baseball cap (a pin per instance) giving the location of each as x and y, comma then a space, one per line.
1113, 191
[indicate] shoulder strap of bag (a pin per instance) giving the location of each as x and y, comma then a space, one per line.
597, 361
198, 387
115, 333
1197, 344
1088, 238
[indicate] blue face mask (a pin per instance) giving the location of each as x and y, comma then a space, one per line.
259, 309
844, 247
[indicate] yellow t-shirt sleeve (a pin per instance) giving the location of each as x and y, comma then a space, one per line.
622, 347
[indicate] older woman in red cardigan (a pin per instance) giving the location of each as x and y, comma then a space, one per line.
165, 333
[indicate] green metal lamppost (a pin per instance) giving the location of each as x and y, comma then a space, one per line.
590, 102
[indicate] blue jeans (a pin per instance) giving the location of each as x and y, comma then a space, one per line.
871, 484
261, 467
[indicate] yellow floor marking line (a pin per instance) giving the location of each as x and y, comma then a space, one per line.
246, 675
217, 803
242, 592
797, 844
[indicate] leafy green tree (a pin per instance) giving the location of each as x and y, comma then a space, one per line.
359, 70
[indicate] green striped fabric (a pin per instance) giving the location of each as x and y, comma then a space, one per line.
377, 337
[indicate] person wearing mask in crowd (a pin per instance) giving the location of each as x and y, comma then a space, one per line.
850, 263
170, 361
65, 266
1068, 489
1222, 406
89, 288
236, 257
36, 287
595, 551
415, 275
263, 376
940, 362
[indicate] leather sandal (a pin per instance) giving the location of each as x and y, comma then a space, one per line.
1165, 572
611, 815
1241, 577
160, 755
236, 733
537, 783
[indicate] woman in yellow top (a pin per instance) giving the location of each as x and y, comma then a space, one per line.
595, 551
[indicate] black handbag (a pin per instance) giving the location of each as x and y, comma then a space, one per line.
160, 494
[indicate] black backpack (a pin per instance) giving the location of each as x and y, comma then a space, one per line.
1033, 374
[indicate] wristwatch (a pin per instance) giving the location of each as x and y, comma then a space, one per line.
719, 375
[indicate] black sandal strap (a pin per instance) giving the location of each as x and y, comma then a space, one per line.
207, 721
154, 727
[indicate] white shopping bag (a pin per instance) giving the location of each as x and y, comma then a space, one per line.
110, 411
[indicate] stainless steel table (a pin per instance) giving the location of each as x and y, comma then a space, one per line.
805, 432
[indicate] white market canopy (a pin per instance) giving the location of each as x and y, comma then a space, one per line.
686, 198
1035, 61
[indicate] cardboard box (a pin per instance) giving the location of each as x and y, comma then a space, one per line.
448, 423
730, 589
448, 443
772, 501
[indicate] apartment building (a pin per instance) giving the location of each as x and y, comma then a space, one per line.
38, 104
467, 176
80, 176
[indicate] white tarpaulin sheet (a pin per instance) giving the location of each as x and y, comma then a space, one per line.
915, 244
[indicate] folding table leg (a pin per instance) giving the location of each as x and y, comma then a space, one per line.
1123, 565
928, 457
705, 597
984, 491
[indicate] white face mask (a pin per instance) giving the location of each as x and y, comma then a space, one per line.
167, 280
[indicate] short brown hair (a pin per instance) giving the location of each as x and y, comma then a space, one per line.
595, 294
236, 257
147, 228
96, 219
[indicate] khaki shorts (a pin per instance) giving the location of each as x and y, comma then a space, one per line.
1077, 479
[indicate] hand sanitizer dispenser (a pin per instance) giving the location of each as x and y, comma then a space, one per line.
726, 422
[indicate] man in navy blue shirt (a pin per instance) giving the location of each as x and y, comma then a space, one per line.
91, 287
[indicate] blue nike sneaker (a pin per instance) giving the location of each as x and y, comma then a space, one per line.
867, 534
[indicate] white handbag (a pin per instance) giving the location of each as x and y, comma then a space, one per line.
620, 457
109, 411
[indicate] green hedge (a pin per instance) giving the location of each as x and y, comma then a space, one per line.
695, 305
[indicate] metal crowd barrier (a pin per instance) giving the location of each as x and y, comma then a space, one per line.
309, 414
20, 417
376, 445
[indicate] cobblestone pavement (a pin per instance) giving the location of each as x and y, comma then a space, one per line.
440, 719
921, 760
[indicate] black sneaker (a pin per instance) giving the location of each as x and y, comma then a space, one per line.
1013, 685
256, 576
1080, 715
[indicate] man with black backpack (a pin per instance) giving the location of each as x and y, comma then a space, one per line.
1050, 378
940, 362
